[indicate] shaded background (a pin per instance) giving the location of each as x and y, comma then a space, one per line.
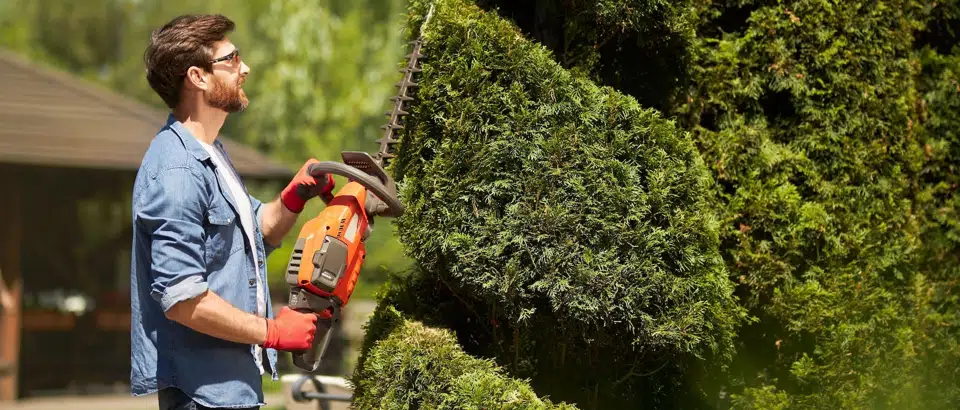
74, 93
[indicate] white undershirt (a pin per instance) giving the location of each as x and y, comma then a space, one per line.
235, 187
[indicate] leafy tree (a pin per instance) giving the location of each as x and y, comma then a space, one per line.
104, 40
324, 81
321, 78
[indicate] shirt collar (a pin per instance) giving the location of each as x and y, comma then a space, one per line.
189, 140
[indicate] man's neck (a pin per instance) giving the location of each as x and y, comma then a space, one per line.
204, 122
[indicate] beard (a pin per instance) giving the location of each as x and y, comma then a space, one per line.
228, 98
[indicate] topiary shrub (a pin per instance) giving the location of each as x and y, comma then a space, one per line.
570, 228
412, 365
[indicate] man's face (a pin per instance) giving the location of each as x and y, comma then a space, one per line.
227, 78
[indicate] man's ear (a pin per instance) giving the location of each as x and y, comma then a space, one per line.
197, 78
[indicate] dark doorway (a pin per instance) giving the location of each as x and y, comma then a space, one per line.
75, 266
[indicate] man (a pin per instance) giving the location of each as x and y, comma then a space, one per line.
202, 321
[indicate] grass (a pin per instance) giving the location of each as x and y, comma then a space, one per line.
270, 386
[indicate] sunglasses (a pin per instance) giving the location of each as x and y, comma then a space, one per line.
233, 56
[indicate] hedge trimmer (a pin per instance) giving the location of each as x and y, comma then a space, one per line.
330, 249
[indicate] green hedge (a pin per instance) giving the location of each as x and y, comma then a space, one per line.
831, 132
829, 135
939, 261
571, 224
407, 364
807, 112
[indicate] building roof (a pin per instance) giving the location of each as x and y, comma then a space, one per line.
49, 118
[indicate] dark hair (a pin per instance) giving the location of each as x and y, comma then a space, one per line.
185, 41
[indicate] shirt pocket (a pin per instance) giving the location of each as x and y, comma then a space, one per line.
222, 237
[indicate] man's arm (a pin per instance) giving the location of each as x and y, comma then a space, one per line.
210, 314
172, 211
276, 221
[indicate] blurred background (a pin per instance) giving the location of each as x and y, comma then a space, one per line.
76, 114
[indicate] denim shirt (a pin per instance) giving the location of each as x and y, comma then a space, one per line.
187, 239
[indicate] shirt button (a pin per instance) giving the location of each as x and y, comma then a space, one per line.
251, 282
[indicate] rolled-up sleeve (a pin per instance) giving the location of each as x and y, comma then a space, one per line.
172, 212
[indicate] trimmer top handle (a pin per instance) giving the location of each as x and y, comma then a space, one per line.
394, 208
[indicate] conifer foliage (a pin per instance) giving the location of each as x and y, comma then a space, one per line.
583, 240
807, 112
571, 223
418, 366
804, 111
529, 186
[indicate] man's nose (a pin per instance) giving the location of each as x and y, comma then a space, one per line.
244, 68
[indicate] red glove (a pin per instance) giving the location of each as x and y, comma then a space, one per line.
291, 330
303, 187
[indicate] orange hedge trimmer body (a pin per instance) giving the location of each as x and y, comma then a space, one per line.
335, 239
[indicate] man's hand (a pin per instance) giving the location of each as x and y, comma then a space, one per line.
291, 330
279, 215
304, 187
